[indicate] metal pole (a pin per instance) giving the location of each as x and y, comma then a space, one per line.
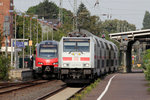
60, 11
6, 45
11, 52
15, 40
30, 34
47, 35
52, 33
42, 35
75, 15
37, 31
23, 41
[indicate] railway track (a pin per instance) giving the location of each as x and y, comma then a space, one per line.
63, 93
52, 93
6, 88
77, 92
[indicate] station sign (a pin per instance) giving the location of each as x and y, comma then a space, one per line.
18, 44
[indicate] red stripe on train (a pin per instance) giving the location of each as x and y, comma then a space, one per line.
84, 59
67, 58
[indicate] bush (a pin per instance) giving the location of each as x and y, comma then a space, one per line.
88, 89
4, 67
147, 71
146, 64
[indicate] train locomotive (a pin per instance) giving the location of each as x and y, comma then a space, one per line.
46, 60
84, 56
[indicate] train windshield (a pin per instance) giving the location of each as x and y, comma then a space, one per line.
48, 51
76, 46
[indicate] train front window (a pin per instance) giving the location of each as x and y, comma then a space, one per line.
69, 46
83, 46
76, 46
49, 52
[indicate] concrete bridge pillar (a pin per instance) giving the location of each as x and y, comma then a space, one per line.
127, 57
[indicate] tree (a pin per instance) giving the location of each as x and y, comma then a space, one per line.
83, 16
146, 20
19, 31
46, 9
88, 22
146, 64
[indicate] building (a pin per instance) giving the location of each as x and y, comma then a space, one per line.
6, 22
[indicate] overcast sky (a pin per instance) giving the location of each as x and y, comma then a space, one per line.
131, 10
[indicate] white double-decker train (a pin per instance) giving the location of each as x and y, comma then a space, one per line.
84, 56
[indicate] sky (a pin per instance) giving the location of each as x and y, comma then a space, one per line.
131, 10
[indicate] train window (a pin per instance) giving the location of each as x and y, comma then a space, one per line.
107, 46
116, 62
102, 44
98, 64
48, 51
76, 46
83, 46
69, 46
107, 63
114, 55
100, 53
97, 42
116, 48
112, 62
102, 63
111, 47
109, 54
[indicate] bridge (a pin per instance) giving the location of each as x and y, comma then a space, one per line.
126, 41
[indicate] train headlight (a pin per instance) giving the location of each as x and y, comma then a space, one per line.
65, 65
55, 63
40, 63
86, 65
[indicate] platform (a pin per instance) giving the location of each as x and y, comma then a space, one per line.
20, 74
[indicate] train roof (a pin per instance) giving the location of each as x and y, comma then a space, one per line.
49, 41
85, 33
80, 33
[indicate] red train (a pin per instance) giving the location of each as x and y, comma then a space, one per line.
46, 61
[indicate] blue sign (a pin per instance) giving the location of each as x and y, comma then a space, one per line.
18, 44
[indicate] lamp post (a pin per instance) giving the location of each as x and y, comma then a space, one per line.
30, 34
23, 40
15, 40
37, 31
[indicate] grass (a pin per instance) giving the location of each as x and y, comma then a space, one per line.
87, 90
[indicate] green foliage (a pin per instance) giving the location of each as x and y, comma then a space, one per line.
97, 27
84, 19
19, 31
147, 72
46, 9
87, 90
146, 20
4, 67
146, 64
